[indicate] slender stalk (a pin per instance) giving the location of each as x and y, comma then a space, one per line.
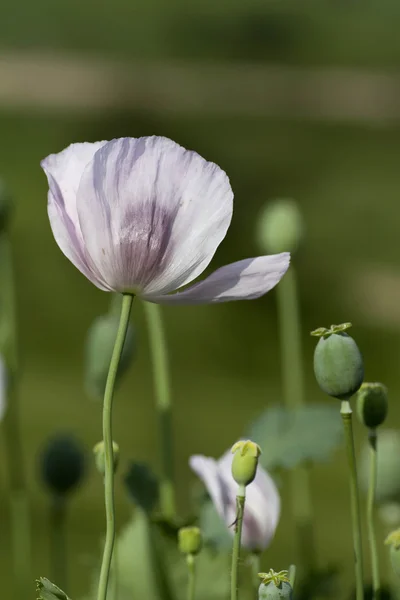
255, 568
370, 514
19, 503
58, 550
190, 561
159, 354
108, 446
346, 413
293, 393
292, 575
240, 501
115, 577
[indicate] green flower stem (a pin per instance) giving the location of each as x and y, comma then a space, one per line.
115, 572
108, 447
164, 407
190, 561
19, 502
292, 575
293, 392
58, 513
240, 501
256, 568
370, 514
346, 413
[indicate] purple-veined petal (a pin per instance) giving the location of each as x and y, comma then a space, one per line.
152, 214
243, 280
263, 509
208, 471
64, 171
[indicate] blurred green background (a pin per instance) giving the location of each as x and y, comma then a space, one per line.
298, 99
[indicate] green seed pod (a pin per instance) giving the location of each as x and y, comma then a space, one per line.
275, 586
99, 457
99, 349
6, 206
62, 464
245, 461
388, 476
393, 540
280, 226
372, 404
338, 364
190, 540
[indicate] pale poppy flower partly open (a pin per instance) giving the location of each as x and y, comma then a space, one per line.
145, 216
262, 507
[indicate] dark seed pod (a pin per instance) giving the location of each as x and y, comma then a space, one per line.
62, 464
338, 364
99, 349
372, 404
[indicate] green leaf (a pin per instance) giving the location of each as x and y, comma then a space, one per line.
48, 591
288, 438
150, 566
213, 527
142, 486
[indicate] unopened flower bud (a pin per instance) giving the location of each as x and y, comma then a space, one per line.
62, 464
393, 540
245, 461
275, 586
6, 206
280, 226
372, 404
190, 540
338, 364
100, 460
99, 348
388, 468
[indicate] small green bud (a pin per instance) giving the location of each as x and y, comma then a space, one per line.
245, 461
280, 226
388, 475
99, 348
62, 464
275, 586
372, 404
190, 540
99, 457
338, 364
6, 206
393, 540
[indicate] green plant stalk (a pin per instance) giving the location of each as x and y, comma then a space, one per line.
19, 503
115, 577
293, 393
346, 414
292, 575
370, 513
58, 550
191, 565
159, 355
255, 559
108, 447
240, 502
